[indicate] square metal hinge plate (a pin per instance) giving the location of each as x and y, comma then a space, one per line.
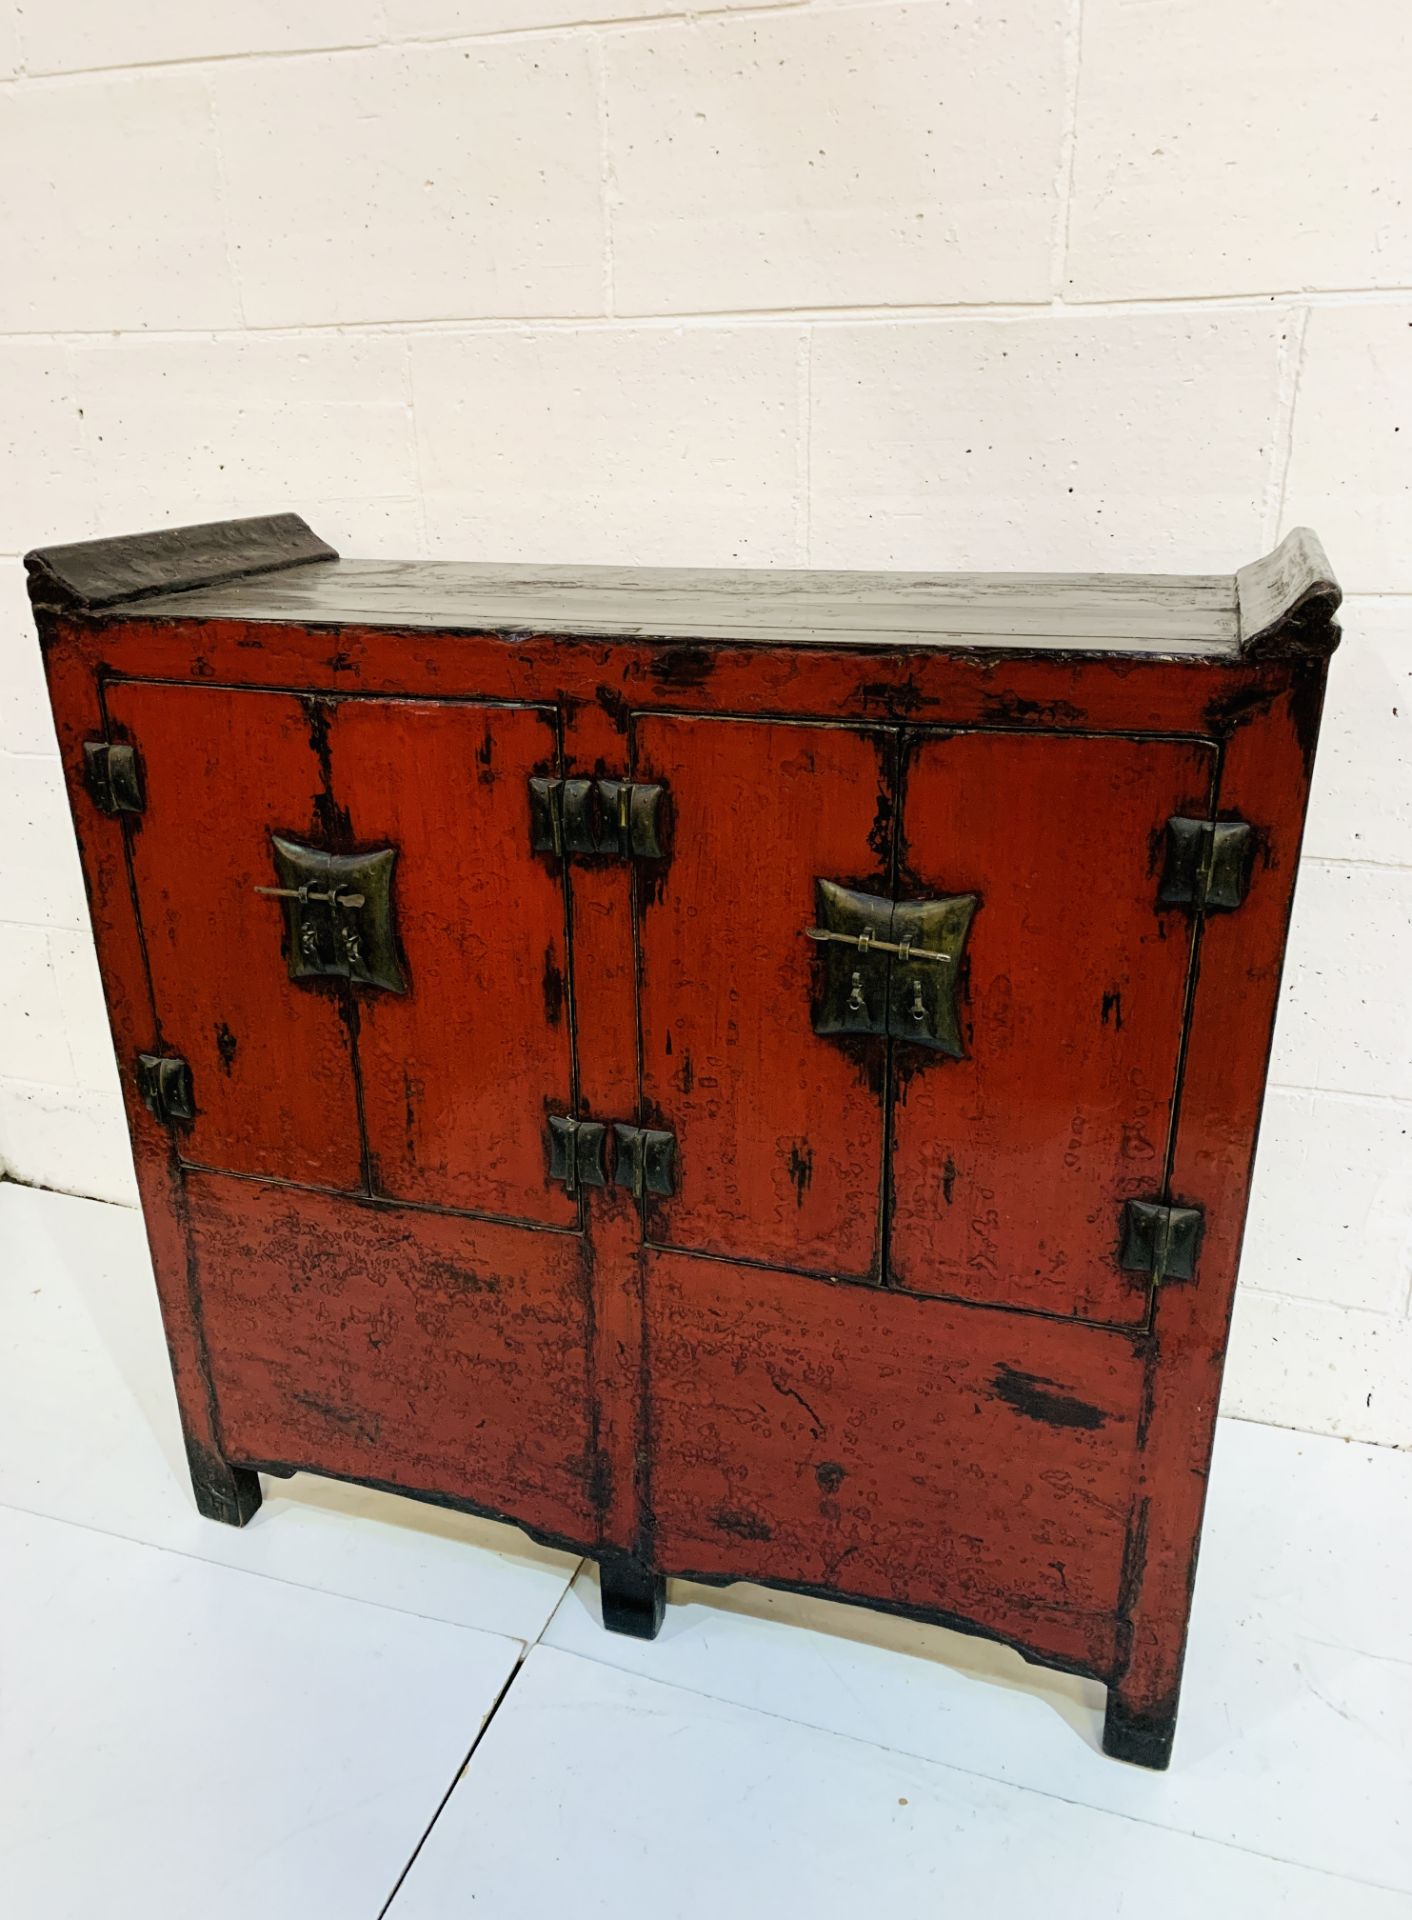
644, 1158
164, 1081
1208, 864
114, 776
621, 818
577, 1152
1160, 1241
645, 1161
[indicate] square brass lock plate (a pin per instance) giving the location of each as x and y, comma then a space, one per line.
338, 914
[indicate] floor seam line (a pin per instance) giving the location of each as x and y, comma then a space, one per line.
456, 1780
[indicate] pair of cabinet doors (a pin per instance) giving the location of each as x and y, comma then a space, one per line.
993, 1169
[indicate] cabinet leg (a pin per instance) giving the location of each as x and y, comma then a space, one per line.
1140, 1735
634, 1598
225, 1493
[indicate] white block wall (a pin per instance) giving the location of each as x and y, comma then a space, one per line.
947, 284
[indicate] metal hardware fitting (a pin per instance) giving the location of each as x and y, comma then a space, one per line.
576, 1150
867, 942
1208, 864
319, 891
643, 1161
335, 894
164, 1082
1160, 1241
113, 775
619, 817
647, 1156
880, 965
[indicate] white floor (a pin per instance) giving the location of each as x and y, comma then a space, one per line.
295, 1720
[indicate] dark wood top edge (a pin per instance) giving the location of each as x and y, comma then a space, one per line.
92, 574
1277, 608
1110, 614
1287, 601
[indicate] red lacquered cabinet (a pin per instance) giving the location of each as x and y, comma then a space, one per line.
746, 1075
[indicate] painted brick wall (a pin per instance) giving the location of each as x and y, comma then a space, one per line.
948, 284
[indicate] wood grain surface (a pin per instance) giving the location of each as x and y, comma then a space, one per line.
1193, 614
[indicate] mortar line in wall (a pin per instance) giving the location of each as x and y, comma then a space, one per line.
223, 200
409, 402
1327, 1432
1354, 860
598, 59
668, 16
1340, 1307
1290, 370
918, 314
804, 448
1393, 1313
1068, 152
1403, 1102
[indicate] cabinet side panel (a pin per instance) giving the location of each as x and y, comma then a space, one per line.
441, 1355
73, 693
911, 1453
1265, 780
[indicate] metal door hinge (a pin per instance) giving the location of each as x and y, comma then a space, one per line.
1208, 864
644, 1159
164, 1082
615, 817
1160, 1241
113, 775
576, 1149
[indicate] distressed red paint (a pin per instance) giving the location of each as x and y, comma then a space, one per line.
879, 1342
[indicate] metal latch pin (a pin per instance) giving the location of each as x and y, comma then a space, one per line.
306, 893
868, 942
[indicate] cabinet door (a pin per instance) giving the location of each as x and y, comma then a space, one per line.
432, 1086
1011, 1164
460, 1070
271, 1060
779, 1133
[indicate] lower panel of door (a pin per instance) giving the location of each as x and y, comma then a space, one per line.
915, 1453
441, 1355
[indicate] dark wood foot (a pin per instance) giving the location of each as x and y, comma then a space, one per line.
634, 1598
1143, 1739
228, 1494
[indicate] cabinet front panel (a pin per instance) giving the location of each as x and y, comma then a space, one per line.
915, 1452
269, 1057
1011, 1165
434, 1353
779, 1132
460, 1070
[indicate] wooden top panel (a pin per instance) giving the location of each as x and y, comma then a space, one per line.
1107, 613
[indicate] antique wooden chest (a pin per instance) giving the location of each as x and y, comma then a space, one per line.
746, 1075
